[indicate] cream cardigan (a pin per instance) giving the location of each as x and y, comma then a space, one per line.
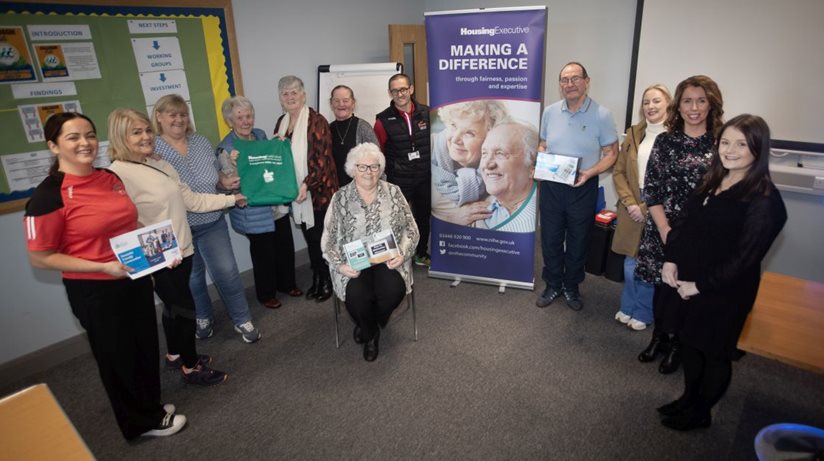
156, 190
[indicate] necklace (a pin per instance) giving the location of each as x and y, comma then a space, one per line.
337, 130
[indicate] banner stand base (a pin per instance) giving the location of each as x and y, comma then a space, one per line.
501, 284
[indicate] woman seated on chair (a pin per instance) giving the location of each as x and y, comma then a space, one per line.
358, 211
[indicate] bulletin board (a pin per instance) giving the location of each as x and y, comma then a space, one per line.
93, 57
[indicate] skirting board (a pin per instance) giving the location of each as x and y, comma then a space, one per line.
63, 351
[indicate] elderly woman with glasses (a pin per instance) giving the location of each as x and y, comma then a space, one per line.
359, 210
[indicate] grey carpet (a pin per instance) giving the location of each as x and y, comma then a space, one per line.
491, 377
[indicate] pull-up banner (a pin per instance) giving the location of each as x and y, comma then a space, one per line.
485, 88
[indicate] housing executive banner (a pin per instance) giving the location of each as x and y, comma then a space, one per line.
485, 88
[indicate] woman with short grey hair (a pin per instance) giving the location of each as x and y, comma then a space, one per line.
358, 211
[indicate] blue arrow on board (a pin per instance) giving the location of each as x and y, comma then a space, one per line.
155, 45
162, 77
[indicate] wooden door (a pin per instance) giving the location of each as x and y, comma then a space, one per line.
407, 45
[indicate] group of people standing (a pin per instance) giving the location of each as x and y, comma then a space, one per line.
697, 213
162, 170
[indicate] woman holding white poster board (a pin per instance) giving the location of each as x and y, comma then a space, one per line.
159, 195
364, 208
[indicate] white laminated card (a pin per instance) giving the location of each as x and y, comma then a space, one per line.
556, 168
375, 249
148, 249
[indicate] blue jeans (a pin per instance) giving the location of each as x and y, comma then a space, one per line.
567, 217
636, 298
213, 252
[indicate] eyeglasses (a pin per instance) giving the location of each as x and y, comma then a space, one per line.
374, 167
399, 91
574, 80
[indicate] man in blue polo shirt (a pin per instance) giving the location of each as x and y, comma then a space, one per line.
575, 126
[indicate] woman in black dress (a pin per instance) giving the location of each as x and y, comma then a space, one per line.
713, 259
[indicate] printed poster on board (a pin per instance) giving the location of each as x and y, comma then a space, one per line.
15, 60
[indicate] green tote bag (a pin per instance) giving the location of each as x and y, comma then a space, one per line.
267, 171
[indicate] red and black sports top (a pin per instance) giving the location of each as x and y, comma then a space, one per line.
77, 215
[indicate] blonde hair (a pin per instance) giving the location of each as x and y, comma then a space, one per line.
171, 103
120, 122
656, 86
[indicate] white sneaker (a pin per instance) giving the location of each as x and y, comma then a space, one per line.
171, 424
637, 325
248, 332
622, 317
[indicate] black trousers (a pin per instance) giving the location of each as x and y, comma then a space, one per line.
312, 237
706, 378
263, 250
285, 255
371, 297
419, 197
121, 326
567, 217
172, 286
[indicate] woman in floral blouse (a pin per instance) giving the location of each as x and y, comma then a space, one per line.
678, 161
360, 209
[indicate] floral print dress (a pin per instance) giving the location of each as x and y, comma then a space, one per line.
676, 165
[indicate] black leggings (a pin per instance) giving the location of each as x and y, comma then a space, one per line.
419, 198
172, 286
706, 378
372, 296
312, 237
285, 251
263, 250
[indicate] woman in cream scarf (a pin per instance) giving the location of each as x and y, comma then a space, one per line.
315, 173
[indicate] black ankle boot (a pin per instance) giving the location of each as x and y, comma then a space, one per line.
370, 348
675, 407
659, 344
672, 361
692, 418
324, 291
312, 292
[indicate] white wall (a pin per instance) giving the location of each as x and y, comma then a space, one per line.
277, 39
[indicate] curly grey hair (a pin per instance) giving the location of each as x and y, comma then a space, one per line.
360, 153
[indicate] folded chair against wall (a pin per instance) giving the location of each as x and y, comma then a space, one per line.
410, 306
